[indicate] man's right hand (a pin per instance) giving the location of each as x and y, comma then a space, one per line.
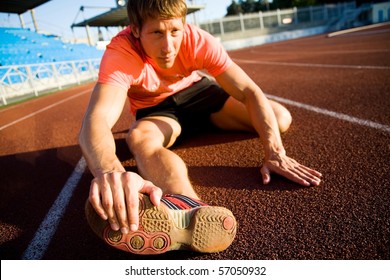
115, 197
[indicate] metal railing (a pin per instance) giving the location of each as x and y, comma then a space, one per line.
21, 81
324, 14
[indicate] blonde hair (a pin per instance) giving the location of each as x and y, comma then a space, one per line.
139, 10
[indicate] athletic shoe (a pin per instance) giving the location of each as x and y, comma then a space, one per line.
179, 223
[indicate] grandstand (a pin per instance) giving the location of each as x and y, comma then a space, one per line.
32, 63
22, 46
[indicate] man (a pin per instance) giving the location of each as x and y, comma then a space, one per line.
155, 62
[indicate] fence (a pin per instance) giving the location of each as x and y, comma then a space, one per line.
279, 18
20, 81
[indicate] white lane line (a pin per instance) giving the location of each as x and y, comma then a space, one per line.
333, 114
371, 67
281, 52
43, 109
356, 29
39, 244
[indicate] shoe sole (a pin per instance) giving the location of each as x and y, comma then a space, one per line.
206, 229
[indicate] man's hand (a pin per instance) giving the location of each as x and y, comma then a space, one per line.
115, 197
291, 169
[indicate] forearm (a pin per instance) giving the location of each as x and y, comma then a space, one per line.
96, 139
237, 83
98, 147
264, 121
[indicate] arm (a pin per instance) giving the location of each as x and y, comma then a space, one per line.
95, 138
113, 191
237, 83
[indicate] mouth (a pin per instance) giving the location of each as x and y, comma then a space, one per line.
167, 58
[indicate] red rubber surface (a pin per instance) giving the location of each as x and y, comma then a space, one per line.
346, 217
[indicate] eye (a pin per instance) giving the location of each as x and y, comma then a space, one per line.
175, 32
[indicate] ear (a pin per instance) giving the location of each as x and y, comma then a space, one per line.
136, 31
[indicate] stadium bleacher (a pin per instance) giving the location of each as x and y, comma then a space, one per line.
32, 63
19, 46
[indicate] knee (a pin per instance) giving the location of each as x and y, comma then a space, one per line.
152, 134
283, 118
285, 121
138, 138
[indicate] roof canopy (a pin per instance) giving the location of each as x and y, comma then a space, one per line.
118, 17
19, 7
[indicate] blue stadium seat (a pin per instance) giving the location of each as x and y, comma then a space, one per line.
22, 46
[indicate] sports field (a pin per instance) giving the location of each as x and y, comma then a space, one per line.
338, 91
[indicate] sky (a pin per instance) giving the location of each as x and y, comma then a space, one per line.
57, 16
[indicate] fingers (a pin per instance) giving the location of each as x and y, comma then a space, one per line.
94, 199
119, 205
312, 172
115, 197
139, 186
296, 175
108, 192
311, 176
265, 174
292, 170
154, 192
132, 199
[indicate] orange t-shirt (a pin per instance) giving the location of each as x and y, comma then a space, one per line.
124, 64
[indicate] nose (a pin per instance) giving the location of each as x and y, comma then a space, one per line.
167, 44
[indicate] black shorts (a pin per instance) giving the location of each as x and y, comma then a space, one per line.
191, 107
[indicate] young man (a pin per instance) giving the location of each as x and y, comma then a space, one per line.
155, 62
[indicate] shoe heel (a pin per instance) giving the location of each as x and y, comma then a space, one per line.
213, 229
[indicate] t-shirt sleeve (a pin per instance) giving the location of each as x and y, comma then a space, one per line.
209, 53
120, 65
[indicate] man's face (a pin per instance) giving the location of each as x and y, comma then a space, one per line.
161, 40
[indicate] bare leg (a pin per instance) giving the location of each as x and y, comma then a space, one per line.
234, 116
149, 140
